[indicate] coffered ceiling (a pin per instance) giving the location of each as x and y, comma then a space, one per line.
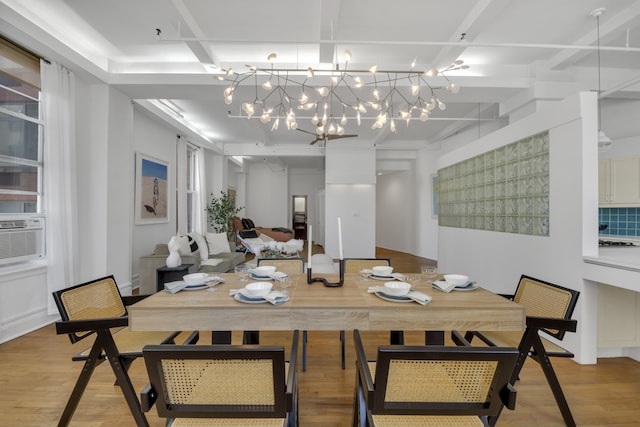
518, 52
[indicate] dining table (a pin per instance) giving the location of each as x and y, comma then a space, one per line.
317, 307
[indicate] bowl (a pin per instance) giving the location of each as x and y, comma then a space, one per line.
195, 279
258, 289
264, 270
456, 279
397, 288
382, 270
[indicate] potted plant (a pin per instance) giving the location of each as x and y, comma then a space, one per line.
221, 211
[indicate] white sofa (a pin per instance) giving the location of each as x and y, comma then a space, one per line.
219, 262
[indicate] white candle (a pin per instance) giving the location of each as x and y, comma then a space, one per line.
309, 243
340, 238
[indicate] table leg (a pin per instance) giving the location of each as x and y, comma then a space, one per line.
434, 337
221, 337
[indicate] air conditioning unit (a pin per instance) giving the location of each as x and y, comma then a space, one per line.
21, 239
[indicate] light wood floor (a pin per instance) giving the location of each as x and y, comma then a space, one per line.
38, 375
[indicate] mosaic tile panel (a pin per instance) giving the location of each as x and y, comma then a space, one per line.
506, 189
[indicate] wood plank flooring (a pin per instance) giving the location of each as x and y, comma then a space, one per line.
38, 375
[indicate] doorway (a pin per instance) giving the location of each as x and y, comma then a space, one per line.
299, 219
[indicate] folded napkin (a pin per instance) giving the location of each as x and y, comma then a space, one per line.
274, 297
443, 286
417, 296
173, 287
279, 276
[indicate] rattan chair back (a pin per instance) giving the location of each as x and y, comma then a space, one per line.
544, 299
435, 384
290, 266
354, 265
221, 381
98, 299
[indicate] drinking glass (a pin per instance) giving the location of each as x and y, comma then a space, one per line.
242, 272
429, 273
364, 274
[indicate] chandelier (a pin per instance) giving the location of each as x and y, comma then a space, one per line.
381, 95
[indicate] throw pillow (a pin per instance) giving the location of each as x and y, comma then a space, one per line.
185, 245
248, 234
202, 245
248, 224
217, 243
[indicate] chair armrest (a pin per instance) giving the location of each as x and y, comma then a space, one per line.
292, 375
459, 340
507, 296
71, 326
508, 396
568, 325
148, 398
132, 299
363, 369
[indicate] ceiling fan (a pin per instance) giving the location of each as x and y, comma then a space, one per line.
324, 137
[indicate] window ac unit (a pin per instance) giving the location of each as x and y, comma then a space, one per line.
21, 239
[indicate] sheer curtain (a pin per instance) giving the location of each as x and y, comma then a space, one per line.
200, 196
59, 168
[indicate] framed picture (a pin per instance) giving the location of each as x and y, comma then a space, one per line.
152, 190
434, 195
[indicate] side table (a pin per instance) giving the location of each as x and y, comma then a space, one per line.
170, 274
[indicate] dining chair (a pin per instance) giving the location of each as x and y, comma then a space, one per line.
96, 308
222, 385
355, 265
549, 308
432, 385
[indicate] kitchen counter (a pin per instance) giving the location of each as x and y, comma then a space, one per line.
617, 266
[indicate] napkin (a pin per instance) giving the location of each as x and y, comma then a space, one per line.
274, 297
173, 287
279, 276
443, 285
417, 296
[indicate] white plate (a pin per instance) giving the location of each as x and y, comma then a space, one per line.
393, 298
195, 287
253, 276
241, 298
385, 278
466, 288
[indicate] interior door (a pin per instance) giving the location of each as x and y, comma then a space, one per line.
299, 219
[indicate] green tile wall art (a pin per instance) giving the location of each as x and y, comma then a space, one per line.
506, 189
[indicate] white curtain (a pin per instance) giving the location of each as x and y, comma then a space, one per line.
200, 196
59, 164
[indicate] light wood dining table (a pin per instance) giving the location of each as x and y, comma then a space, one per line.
316, 307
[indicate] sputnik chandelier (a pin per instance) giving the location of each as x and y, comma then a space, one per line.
284, 92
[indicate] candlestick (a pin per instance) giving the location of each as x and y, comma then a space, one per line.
340, 238
310, 243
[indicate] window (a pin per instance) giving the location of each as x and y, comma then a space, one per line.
20, 131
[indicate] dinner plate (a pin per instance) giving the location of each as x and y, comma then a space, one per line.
385, 278
256, 277
472, 287
249, 300
393, 298
195, 287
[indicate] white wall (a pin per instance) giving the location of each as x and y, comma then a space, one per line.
350, 194
396, 215
496, 260
154, 139
267, 195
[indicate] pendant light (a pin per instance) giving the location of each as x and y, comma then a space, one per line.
604, 142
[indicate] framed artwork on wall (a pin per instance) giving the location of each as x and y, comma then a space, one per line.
152, 190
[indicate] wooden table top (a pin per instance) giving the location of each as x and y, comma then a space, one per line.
316, 307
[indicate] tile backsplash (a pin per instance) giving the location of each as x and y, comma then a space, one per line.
623, 222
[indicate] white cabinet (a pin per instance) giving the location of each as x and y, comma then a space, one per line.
619, 182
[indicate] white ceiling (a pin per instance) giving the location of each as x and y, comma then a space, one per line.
518, 52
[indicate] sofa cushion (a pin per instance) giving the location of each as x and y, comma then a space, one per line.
188, 245
203, 248
218, 243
